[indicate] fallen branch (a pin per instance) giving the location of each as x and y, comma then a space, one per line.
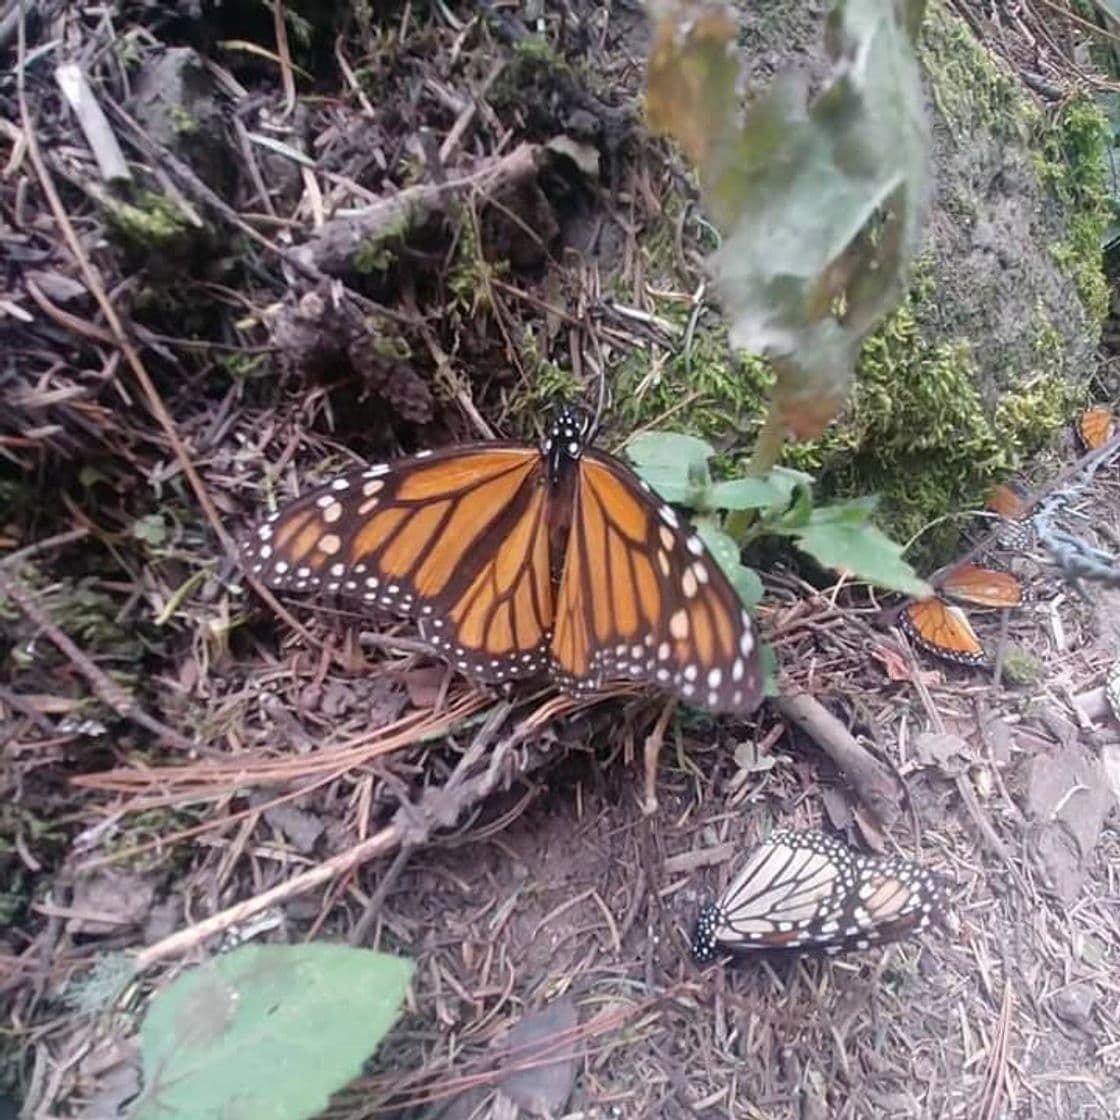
332, 247
873, 782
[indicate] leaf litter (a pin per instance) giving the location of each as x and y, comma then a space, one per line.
534, 881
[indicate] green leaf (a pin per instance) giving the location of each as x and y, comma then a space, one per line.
726, 552
266, 1032
797, 515
667, 449
675, 465
820, 198
1110, 8
768, 660
151, 529
841, 537
774, 491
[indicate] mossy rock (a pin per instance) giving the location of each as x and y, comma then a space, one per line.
995, 341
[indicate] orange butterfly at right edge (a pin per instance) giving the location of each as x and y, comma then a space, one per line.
522, 561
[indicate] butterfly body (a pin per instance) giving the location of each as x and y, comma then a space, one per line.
519, 560
806, 890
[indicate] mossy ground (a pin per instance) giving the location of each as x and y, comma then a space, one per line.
927, 427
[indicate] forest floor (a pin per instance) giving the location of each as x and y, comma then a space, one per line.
172, 750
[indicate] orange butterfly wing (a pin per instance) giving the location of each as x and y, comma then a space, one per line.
981, 586
942, 630
457, 539
1095, 427
1008, 500
641, 598
1015, 530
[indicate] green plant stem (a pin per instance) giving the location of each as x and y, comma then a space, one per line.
767, 449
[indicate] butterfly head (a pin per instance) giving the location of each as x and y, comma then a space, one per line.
568, 434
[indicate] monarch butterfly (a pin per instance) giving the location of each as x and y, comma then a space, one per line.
1015, 531
806, 890
942, 630
518, 561
1095, 427
1112, 690
981, 586
1008, 500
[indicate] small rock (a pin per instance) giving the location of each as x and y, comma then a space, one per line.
1074, 1005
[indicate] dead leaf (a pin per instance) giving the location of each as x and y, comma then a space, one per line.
56, 286
423, 685
301, 829
870, 831
541, 1090
113, 1069
893, 662
1074, 1005
1068, 795
110, 901
948, 753
1000, 738
837, 808
898, 669
819, 193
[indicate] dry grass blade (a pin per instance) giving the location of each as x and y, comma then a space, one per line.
995, 1070
200, 780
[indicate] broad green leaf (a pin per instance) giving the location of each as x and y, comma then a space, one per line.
726, 552
668, 449
266, 1032
675, 465
773, 491
819, 198
797, 515
841, 537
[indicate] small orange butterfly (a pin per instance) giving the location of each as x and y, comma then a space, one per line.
943, 630
522, 561
1016, 530
1008, 499
1095, 427
983, 587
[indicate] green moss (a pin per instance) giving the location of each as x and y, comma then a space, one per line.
154, 222
925, 428
373, 255
701, 387
183, 122
1071, 149
971, 92
916, 432
1073, 162
1021, 667
1041, 402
